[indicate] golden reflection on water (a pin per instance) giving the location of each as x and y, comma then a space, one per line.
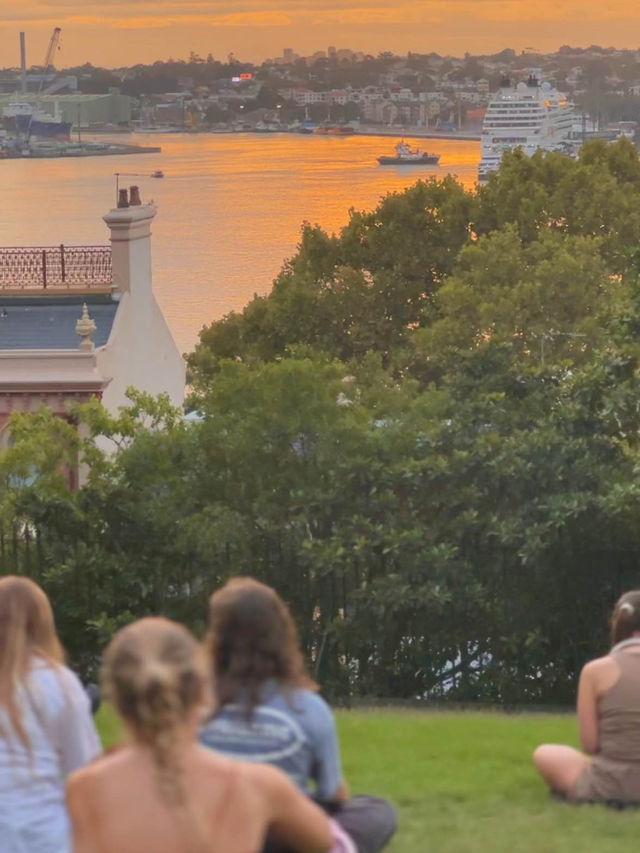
230, 206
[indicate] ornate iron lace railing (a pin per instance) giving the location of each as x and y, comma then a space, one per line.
44, 267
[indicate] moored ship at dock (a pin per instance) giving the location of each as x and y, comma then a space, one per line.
532, 116
23, 118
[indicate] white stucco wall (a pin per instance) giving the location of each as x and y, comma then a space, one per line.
140, 350
140, 354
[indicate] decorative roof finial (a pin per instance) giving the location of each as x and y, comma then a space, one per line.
85, 327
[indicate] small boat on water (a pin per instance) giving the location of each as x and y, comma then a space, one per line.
157, 173
406, 156
267, 127
335, 130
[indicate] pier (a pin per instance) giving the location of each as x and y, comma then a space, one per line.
76, 149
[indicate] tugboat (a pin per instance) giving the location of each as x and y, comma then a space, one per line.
405, 156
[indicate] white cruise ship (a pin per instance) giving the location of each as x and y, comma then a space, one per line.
531, 115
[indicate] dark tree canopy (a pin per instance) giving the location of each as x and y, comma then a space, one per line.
425, 436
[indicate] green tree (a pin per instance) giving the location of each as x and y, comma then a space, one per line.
362, 290
426, 438
549, 300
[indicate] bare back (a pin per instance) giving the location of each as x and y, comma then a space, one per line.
117, 805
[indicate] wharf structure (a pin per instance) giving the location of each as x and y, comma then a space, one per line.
80, 110
78, 322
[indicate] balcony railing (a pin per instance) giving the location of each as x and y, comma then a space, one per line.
55, 267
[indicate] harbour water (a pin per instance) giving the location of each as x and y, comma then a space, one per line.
230, 206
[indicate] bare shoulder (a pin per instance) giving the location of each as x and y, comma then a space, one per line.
245, 774
219, 765
598, 666
264, 775
79, 783
103, 765
601, 673
270, 781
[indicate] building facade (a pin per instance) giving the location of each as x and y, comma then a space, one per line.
78, 322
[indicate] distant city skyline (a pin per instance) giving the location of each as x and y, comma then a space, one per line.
125, 32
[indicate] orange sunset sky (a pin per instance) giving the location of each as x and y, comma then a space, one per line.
114, 32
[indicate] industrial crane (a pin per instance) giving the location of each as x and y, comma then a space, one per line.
53, 46
48, 61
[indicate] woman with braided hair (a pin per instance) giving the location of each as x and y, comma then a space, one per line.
163, 792
608, 769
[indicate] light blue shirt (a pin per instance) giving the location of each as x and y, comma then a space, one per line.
291, 729
56, 716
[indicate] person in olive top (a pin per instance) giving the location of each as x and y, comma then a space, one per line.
268, 709
609, 722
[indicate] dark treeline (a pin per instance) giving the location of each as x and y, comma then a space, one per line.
174, 75
425, 437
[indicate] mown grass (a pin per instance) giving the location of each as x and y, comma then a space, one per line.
464, 783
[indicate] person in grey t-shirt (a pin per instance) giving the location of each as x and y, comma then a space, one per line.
268, 709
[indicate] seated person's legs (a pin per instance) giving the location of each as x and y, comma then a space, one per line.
272, 845
369, 821
560, 766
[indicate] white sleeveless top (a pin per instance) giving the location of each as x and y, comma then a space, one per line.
56, 714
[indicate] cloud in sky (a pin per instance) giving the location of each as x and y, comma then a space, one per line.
262, 27
117, 13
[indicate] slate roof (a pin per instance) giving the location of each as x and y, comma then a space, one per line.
49, 322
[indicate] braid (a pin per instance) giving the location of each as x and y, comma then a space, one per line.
154, 674
159, 714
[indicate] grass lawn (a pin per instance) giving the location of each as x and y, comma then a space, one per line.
464, 783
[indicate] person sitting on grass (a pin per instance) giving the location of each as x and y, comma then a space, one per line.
164, 793
609, 722
46, 729
268, 709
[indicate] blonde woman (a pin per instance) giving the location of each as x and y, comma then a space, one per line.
162, 792
46, 730
607, 770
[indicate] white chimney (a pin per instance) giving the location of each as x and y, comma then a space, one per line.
131, 246
140, 350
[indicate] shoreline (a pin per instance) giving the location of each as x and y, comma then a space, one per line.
367, 130
92, 147
421, 133
117, 150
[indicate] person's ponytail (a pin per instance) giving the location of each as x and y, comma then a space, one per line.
625, 619
154, 674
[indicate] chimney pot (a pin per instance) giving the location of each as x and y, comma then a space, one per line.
134, 196
123, 198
